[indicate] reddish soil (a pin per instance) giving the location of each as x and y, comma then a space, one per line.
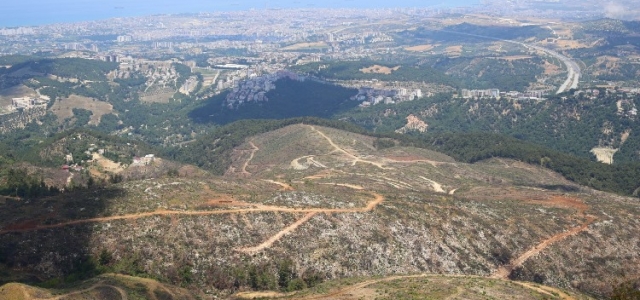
557, 201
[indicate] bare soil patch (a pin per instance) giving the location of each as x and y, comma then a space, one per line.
454, 50
63, 108
604, 155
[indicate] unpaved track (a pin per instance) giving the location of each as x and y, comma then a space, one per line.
347, 153
246, 163
257, 209
547, 290
285, 186
273, 239
349, 289
123, 294
504, 271
351, 186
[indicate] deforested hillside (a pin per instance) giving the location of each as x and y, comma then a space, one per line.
301, 204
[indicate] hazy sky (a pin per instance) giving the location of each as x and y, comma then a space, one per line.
37, 12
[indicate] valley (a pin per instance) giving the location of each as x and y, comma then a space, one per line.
481, 152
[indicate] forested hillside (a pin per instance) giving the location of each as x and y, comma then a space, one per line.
290, 99
213, 151
568, 123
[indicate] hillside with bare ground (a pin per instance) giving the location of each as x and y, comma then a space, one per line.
305, 204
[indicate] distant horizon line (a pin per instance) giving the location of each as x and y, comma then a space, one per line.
120, 11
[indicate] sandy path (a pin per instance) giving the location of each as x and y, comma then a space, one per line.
123, 294
436, 186
362, 285
340, 149
504, 271
149, 282
352, 186
273, 239
350, 289
285, 186
547, 290
412, 161
246, 163
163, 212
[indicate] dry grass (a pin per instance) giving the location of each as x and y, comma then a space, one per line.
515, 57
551, 69
420, 48
159, 96
565, 44
63, 108
18, 91
303, 46
454, 50
604, 155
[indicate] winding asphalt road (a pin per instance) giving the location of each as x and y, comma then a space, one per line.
573, 70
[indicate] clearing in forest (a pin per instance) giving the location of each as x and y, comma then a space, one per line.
63, 108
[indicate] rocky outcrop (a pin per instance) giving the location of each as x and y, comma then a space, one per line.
413, 124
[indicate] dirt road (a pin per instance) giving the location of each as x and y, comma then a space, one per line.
553, 292
504, 271
273, 239
354, 158
246, 163
163, 212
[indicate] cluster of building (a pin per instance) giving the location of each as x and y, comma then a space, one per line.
254, 88
371, 96
124, 38
28, 102
497, 94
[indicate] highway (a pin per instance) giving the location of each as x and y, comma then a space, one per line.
573, 70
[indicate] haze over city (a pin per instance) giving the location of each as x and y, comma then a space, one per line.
39, 12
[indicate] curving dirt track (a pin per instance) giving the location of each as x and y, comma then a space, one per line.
123, 294
246, 163
347, 153
504, 271
310, 212
284, 186
553, 292
273, 239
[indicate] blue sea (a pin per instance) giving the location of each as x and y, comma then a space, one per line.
39, 12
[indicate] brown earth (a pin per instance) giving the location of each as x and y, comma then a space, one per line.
63, 108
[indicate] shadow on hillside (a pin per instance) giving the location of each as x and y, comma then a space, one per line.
290, 99
36, 243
